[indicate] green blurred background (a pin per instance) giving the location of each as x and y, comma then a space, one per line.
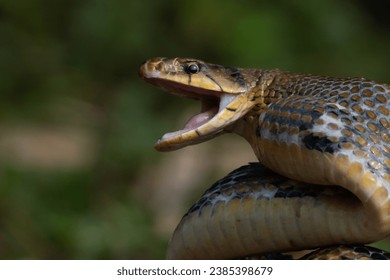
79, 178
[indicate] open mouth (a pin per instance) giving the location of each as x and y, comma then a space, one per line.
210, 107
213, 116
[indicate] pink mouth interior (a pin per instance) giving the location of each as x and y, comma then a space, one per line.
209, 99
209, 110
201, 118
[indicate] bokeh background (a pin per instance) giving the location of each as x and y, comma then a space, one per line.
79, 178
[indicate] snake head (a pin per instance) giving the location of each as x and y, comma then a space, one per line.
224, 93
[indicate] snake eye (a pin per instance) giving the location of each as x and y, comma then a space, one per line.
192, 69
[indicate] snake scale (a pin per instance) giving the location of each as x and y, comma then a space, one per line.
323, 145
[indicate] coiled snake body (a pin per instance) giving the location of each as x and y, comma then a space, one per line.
324, 150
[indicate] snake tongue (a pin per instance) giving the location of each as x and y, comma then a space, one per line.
201, 118
208, 111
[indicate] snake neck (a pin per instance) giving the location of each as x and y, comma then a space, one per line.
268, 86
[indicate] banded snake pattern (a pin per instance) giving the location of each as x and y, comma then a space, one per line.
323, 177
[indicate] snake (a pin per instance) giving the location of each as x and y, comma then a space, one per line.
322, 179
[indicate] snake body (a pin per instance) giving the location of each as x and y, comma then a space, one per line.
323, 146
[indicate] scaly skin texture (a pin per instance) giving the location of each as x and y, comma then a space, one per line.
306, 131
